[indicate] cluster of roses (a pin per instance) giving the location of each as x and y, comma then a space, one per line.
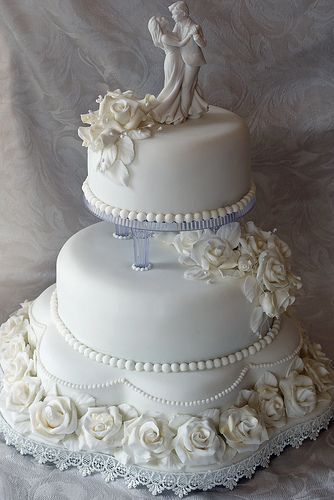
211, 438
238, 251
120, 119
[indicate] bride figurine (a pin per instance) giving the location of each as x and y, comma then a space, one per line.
169, 109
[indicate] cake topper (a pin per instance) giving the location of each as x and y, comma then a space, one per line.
181, 96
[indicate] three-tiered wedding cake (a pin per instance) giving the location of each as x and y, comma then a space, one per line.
192, 366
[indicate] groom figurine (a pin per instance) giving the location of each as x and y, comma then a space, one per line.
191, 53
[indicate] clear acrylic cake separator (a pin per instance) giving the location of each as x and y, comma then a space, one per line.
141, 232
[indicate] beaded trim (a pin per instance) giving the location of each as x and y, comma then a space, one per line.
169, 402
133, 215
131, 365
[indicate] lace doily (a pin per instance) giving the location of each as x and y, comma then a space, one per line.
156, 482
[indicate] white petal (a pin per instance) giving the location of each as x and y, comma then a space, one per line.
196, 273
256, 319
250, 288
108, 158
139, 134
119, 174
231, 233
125, 150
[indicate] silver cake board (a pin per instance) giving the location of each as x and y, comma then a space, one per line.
180, 483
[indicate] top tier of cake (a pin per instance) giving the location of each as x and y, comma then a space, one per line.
196, 170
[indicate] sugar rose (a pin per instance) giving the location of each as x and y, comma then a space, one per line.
197, 442
147, 440
271, 403
53, 418
15, 326
299, 394
211, 251
242, 428
17, 368
22, 394
101, 428
319, 373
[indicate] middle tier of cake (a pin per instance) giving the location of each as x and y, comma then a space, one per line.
156, 317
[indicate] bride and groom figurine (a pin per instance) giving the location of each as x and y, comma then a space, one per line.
181, 97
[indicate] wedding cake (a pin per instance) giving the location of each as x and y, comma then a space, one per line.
188, 375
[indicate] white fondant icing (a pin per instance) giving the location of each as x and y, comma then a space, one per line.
129, 364
198, 166
138, 315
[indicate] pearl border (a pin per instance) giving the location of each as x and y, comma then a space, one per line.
168, 402
133, 215
175, 367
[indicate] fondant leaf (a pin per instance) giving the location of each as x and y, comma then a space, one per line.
83, 401
125, 150
196, 273
267, 379
213, 414
119, 173
256, 319
250, 288
231, 233
108, 158
139, 134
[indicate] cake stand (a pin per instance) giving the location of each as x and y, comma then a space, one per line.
141, 232
158, 481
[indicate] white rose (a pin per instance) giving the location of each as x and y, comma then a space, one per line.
299, 394
17, 368
272, 272
23, 393
314, 350
53, 418
319, 373
242, 428
123, 112
12, 347
147, 440
273, 303
245, 263
197, 442
184, 243
212, 252
13, 327
101, 427
253, 240
271, 403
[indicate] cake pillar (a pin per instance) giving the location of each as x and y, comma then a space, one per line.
141, 249
122, 232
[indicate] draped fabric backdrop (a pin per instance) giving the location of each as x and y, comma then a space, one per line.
269, 61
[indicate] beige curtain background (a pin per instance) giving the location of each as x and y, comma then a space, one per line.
271, 61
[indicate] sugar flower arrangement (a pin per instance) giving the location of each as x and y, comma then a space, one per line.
121, 119
242, 251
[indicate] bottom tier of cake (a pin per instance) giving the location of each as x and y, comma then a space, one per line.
197, 421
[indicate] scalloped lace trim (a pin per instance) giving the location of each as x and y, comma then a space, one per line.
156, 482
